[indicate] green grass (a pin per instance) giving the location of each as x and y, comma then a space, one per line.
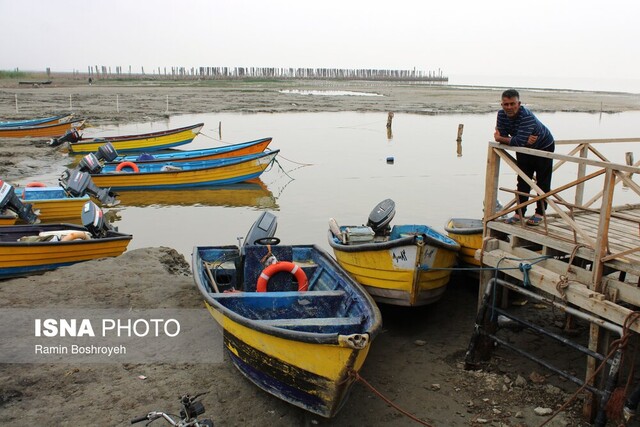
12, 74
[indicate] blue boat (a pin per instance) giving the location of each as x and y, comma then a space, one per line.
234, 150
299, 328
175, 175
62, 118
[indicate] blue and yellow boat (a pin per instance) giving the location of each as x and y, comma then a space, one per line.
301, 340
53, 203
60, 118
24, 249
407, 265
152, 141
170, 176
223, 152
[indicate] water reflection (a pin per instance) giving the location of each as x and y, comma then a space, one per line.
251, 194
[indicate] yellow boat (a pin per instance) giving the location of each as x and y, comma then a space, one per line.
407, 265
53, 203
468, 233
7, 218
302, 340
152, 141
22, 253
51, 130
205, 173
253, 193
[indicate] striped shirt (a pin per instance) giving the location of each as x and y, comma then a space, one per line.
521, 127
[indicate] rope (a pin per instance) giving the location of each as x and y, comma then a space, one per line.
357, 376
525, 268
616, 345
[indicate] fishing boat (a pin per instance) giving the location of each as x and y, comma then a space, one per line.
253, 193
50, 130
170, 176
234, 150
61, 118
468, 233
36, 248
152, 141
53, 203
407, 265
300, 328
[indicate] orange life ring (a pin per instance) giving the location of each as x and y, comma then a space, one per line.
74, 235
35, 184
123, 165
289, 267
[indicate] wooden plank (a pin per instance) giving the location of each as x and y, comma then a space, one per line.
602, 243
318, 321
547, 281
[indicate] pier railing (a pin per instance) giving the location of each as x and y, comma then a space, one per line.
596, 170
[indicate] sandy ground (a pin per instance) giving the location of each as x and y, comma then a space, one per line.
417, 360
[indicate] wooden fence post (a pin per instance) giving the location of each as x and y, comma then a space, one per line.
459, 140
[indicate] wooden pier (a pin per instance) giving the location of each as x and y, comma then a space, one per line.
586, 252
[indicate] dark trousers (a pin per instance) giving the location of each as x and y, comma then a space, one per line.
542, 168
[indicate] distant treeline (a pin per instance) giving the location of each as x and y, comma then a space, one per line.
222, 73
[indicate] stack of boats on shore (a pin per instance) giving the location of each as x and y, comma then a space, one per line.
144, 164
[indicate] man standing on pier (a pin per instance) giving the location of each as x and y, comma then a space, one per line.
518, 127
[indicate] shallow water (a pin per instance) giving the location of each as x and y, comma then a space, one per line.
336, 165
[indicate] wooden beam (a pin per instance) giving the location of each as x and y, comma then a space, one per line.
546, 280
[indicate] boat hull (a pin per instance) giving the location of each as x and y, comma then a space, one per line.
468, 233
136, 143
315, 377
52, 130
311, 359
26, 258
197, 174
406, 271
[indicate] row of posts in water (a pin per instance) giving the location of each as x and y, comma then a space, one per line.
105, 72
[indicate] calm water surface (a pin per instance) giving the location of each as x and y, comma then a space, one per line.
335, 165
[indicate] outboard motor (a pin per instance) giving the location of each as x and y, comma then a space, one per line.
78, 183
72, 135
381, 216
93, 220
92, 163
9, 200
265, 226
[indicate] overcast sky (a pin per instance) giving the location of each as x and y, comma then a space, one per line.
585, 39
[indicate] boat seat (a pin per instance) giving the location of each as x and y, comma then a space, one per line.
317, 321
266, 305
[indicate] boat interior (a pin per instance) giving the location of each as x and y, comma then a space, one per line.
329, 306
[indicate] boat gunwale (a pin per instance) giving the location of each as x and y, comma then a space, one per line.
390, 244
10, 229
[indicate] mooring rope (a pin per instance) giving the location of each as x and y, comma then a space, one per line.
409, 415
